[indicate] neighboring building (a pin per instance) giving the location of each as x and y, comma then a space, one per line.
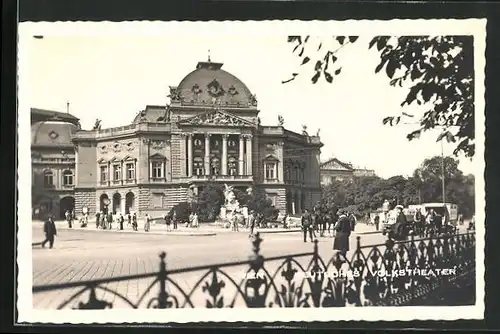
53, 162
336, 170
209, 132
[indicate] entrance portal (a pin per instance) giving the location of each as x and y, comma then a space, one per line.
117, 201
103, 206
66, 204
129, 202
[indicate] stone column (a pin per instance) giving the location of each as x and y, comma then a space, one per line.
224, 154
299, 202
207, 153
110, 172
122, 172
240, 158
249, 154
75, 176
292, 197
190, 154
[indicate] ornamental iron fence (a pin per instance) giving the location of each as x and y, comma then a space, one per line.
393, 273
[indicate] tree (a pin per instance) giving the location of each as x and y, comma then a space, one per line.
365, 194
209, 201
439, 71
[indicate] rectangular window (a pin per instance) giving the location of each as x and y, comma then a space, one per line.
104, 173
157, 169
270, 171
130, 167
117, 172
68, 178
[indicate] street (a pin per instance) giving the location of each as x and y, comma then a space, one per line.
90, 254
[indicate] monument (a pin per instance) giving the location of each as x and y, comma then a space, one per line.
231, 209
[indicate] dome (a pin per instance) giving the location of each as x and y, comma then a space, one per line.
53, 132
208, 84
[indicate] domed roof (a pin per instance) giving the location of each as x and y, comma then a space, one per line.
208, 84
53, 132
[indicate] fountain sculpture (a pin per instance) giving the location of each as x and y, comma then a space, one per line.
231, 210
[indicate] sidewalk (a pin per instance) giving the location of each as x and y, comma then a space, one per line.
154, 229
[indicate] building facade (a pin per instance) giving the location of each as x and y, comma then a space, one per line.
52, 162
210, 132
336, 170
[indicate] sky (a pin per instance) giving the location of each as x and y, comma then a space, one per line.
112, 78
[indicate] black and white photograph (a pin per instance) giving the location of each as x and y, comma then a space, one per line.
251, 171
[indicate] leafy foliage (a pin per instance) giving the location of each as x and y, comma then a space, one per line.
364, 194
439, 71
210, 199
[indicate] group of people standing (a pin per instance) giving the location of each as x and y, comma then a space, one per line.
105, 221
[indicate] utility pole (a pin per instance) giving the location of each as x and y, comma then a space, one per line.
442, 173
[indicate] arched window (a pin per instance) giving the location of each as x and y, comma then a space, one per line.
198, 166
67, 178
48, 178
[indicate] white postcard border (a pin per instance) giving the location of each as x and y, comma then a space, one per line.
475, 27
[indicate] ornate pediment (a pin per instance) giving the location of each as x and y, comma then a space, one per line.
215, 118
271, 157
335, 164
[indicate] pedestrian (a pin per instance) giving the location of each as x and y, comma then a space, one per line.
418, 221
147, 223
285, 220
352, 220
251, 222
307, 227
174, 220
196, 223
110, 220
97, 219
121, 220
68, 219
342, 233
401, 225
134, 221
49, 228
190, 223
129, 219
376, 220
167, 219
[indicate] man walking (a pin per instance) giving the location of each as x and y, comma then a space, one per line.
307, 225
121, 220
97, 219
376, 220
134, 222
68, 219
174, 220
49, 227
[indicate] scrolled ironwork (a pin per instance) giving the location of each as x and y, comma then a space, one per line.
394, 273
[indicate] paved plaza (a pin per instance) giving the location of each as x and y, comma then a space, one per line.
90, 254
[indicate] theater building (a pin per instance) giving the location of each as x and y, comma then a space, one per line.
210, 132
